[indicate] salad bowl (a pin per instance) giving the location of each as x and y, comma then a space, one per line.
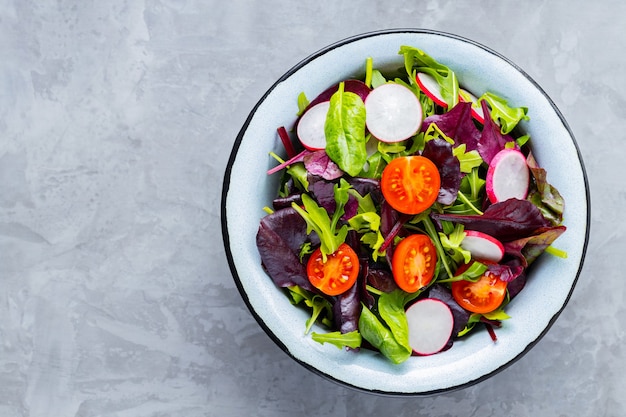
247, 190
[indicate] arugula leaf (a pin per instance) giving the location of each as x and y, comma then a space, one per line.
497, 315
321, 309
417, 60
318, 304
469, 160
367, 222
299, 174
508, 117
345, 131
318, 220
377, 79
351, 339
452, 243
303, 103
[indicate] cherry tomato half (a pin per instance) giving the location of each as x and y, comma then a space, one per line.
413, 262
410, 184
337, 274
482, 296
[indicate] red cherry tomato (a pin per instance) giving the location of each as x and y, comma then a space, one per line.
410, 184
483, 296
337, 274
413, 262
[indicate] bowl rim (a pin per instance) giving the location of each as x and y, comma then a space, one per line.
233, 156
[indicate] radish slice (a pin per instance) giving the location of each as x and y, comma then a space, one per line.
430, 325
393, 113
310, 128
477, 110
482, 246
507, 176
431, 88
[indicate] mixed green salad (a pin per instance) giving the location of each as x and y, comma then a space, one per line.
409, 210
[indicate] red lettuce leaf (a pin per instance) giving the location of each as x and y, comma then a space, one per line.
318, 163
529, 248
491, 140
456, 124
506, 220
347, 309
357, 87
546, 197
278, 240
440, 153
508, 271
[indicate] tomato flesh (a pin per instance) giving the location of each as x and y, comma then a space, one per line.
337, 274
410, 184
483, 296
413, 262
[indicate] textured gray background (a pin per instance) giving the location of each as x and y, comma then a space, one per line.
116, 121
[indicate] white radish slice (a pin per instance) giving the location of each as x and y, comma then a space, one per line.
431, 88
310, 129
430, 324
477, 109
393, 113
482, 246
507, 176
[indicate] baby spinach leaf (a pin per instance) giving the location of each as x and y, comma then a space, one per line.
379, 336
345, 131
391, 309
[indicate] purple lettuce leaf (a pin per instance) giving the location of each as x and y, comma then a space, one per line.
285, 202
347, 309
491, 140
506, 220
381, 279
440, 153
548, 198
457, 124
278, 240
517, 285
529, 248
318, 163
506, 271
324, 193
357, 87
366, 186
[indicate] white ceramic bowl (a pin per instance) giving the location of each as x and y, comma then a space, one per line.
246, 190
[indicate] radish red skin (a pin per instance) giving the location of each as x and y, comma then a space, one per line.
507, 176
430, 87
478, 114
310, 128
430, 322
482, 246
